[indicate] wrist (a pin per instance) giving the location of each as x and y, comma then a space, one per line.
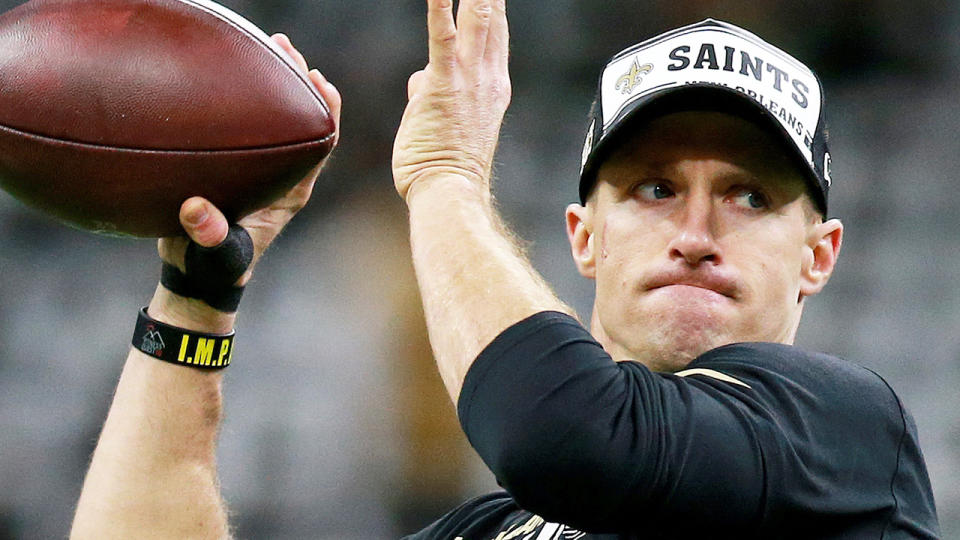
189, 313
447, 185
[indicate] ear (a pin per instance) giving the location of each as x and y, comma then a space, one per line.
823, 248
580, 235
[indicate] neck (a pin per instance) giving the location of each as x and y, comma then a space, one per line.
614, 349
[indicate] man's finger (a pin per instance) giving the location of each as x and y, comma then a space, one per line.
330, 95
498, 40
443, 33
284, 42
414, 83
203, 222
473, 26
219, 267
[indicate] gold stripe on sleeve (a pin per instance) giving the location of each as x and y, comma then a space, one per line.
712, 374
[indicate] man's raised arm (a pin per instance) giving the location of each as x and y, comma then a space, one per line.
153, 473
474, 280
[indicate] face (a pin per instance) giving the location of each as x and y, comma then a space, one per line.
699, 233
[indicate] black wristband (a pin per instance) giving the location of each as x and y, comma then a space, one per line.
181, 346
211, 272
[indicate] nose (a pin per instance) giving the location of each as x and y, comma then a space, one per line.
694, 241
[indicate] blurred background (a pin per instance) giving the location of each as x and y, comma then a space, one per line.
336, 422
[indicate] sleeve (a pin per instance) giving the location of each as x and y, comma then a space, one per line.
604, 446
476, 518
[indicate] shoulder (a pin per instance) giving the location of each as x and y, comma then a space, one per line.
808, 397
826, 426
787, 370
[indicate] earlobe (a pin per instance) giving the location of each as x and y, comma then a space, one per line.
823, 249
581, 237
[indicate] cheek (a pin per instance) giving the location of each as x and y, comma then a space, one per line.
604, 252
610, 269
626, 235
627, 248
618, 250
774, 275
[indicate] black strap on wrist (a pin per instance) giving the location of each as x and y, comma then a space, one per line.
182, 346
211, 272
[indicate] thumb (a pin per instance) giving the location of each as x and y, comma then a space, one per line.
203, 222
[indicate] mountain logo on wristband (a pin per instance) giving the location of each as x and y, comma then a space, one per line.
152, 341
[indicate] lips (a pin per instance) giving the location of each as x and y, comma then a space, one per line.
712, 280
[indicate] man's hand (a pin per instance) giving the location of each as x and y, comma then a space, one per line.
452, 121
206, 225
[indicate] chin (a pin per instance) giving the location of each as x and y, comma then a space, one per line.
674, 349
670, 339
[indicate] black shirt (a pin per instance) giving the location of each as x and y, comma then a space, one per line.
752, 440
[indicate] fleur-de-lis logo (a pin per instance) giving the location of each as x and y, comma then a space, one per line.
632, 79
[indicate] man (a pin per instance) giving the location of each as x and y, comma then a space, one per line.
704, 195
702, 222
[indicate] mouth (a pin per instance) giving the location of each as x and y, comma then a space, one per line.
717, 285
683, 288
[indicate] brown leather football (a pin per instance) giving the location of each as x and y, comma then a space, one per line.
113, 112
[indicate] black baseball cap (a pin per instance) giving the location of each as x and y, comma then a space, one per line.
712, 65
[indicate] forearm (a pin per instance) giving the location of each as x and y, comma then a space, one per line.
153, 473
474, 280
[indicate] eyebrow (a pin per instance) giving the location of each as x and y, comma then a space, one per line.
668, 168
633, 171
781, 187
745, 178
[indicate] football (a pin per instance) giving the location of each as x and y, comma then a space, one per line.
113, 112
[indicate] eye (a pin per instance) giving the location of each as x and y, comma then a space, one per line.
749, 198
654, 190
